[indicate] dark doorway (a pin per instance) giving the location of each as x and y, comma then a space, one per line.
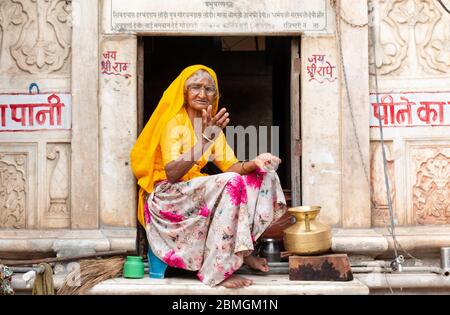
253, 73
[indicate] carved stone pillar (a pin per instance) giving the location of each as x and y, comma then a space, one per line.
335, 155
85, 164
355, 119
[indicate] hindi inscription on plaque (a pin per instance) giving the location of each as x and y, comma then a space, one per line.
218, 17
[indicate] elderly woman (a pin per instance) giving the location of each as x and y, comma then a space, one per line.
194, 221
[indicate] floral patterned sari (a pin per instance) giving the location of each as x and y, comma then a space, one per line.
210, 223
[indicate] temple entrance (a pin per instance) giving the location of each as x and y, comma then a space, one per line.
256, 86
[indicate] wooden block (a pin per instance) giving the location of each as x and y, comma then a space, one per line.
334, 267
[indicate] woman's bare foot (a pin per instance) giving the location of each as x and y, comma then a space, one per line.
256, 263
235, 282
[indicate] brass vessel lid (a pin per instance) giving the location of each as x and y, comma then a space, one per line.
305, 208
302, 212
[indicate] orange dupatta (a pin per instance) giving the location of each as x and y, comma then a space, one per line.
143, 153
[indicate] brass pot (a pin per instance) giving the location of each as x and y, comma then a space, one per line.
307, 236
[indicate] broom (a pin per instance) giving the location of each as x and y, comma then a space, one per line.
92, 272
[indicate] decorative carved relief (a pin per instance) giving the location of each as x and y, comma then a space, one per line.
431, 191
37, 34
436, 52
59, 181
12, 18
391, 51
380, 209
412, 37
12, 190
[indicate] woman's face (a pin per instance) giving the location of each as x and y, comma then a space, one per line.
201, 93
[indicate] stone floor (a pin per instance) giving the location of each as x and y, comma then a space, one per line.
188, 285
263, 285
275, 284
181, 285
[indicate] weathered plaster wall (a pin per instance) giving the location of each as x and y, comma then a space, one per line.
321, 135
35, 47
79, 177
118, 128
335, 133
412, 56
50, 170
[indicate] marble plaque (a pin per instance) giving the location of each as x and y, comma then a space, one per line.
218, 17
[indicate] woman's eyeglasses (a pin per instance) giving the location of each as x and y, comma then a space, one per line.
209, 90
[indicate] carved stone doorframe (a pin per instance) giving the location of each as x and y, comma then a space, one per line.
333, 158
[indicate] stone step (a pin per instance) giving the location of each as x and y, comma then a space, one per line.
263, 285
187, 285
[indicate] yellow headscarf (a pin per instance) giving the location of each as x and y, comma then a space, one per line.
143, 153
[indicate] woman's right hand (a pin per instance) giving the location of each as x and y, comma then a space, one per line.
211, 126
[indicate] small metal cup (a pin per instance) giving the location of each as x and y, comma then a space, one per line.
270, 249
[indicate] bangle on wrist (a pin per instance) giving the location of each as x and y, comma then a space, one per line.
242, 165
206, 138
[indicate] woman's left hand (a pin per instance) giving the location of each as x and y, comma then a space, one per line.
267, 162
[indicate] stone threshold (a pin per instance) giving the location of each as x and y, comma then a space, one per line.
183, 285
263, 285
376, 241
